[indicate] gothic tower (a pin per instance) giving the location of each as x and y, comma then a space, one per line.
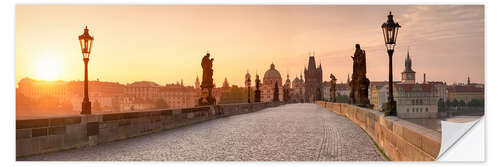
408, 75
313, 80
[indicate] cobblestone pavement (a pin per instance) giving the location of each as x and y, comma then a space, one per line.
294, 132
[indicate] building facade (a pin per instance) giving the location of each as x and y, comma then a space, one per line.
416, 100
297, 92
464, 93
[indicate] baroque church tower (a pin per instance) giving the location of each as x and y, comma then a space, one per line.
408, 75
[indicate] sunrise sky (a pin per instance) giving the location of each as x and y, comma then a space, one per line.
165, 44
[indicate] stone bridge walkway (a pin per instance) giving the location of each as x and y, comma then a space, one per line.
294, 132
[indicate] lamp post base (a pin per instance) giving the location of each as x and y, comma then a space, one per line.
389, 108
86, 108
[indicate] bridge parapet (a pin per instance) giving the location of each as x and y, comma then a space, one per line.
38, 136
399, 139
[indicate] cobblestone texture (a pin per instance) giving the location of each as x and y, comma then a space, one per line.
294, 132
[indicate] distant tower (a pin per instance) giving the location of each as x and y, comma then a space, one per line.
287, 82
225, 84
424, 79
197, 83
408, 75
468, 80
314, 79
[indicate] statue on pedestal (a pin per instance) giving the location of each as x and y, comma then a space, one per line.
359, 83
207, 83
333, 84
257, 88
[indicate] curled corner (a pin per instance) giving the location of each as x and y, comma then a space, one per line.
452, 131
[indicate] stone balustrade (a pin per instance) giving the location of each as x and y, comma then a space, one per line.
399, 139
38, 136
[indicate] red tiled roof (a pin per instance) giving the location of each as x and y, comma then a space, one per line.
410, 87
465, 88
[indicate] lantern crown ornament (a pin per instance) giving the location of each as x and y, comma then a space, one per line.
390, 30
86, 43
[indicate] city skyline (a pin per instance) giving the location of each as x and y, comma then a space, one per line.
260, 35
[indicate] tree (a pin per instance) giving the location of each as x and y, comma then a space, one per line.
461, 103
161, 104
448, 102
476, 103
235, 94
441, 106
454, 103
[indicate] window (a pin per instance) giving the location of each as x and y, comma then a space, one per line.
426, 109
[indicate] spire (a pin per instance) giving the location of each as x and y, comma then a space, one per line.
408, 61
348, 80
468, 80
424, 78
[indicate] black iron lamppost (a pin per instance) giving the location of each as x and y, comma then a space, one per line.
248, 84
390, 30
86, 46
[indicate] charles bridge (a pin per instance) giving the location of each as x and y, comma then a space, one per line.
266, 131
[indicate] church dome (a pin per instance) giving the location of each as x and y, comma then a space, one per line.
272, 73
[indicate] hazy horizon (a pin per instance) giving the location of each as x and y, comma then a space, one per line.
165, 43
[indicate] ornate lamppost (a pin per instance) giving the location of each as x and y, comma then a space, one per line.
248, 83
86, 46
390, 30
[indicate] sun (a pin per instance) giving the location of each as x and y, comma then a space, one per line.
48, 68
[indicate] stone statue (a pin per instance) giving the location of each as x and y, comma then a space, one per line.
206, 64
333, 84
359, 83
257, 88
207, 84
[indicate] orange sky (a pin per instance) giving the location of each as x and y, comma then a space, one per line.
166, 43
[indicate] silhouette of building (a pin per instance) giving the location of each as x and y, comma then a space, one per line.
271, 77
104, 93
179, 96
313, 81
146, 90
297, 92
225, 84
408, 75
197, 83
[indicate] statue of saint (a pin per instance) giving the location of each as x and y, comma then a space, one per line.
333, 83
206, 64
207, 84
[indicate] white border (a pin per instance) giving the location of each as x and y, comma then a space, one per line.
492, 28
